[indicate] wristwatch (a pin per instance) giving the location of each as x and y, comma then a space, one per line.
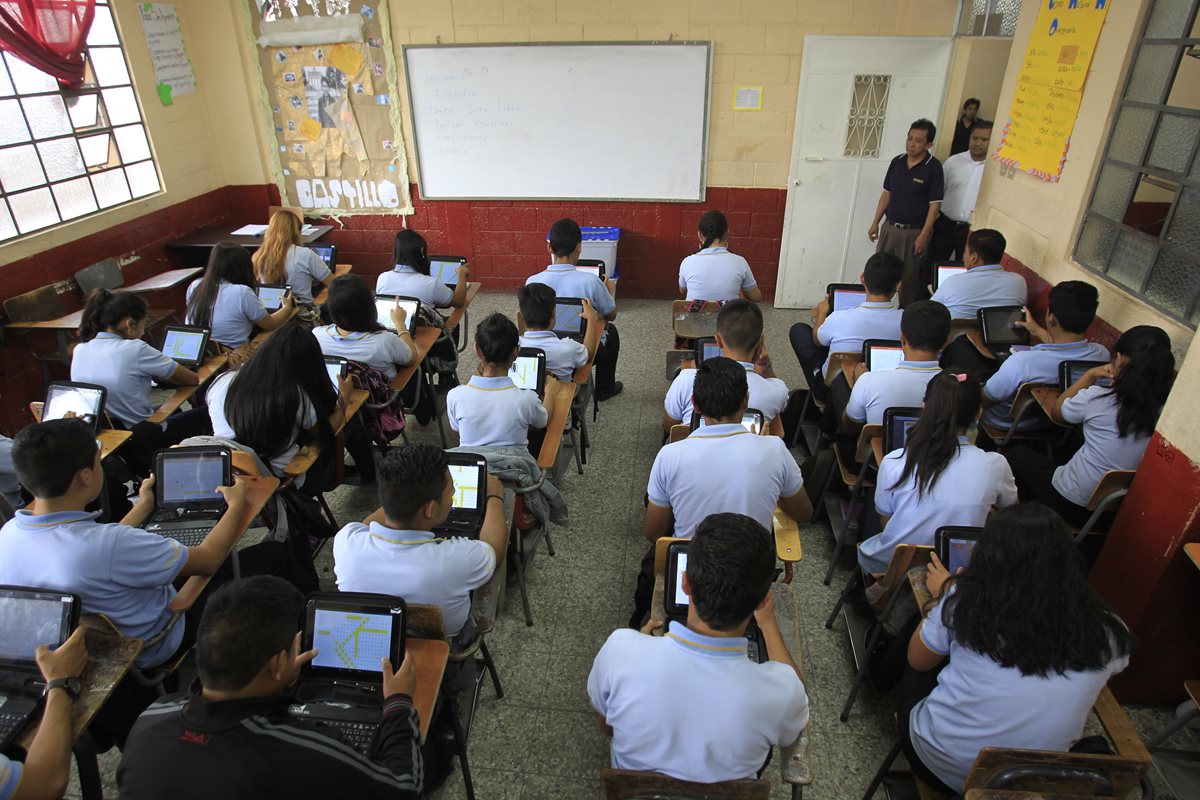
72, 686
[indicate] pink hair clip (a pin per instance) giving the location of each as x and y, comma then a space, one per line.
961, 377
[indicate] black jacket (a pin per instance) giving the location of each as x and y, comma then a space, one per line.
186, 747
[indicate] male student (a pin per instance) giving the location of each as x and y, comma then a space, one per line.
563, 356
565, 242
740, 337
1072, 308
845, 331
985, 283
231, 735
690, 704
117, 569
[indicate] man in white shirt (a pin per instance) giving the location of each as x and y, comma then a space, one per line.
962, 172
690, 704
985, 283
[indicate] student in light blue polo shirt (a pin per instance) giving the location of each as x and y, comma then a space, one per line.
117, 569
939, 478
489, 410
690, 704
1072, 308
226, 300
565, 243
1025, 677
356, 334
714, 273
410, 277
563, 356
985, 283
740, 336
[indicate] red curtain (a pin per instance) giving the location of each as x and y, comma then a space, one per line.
49, 34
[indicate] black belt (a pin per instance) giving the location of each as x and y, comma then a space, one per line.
906, 226
955, 222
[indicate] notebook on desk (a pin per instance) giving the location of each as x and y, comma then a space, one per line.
676, 601
569, 322
384, 303
188, 505
83, 401
445, 269
468, 471
343, 686
28, 618
185, 344
529, 370
880, 355
844, 296
327, 252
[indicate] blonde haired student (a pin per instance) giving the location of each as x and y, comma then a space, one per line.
283, 259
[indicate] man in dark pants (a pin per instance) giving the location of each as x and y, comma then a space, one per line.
962, 128
911, 198
963, 173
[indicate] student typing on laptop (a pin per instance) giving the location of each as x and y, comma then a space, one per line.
232, 737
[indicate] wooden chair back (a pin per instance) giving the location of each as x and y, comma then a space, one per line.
104, 274
426, 622
1084, 774
298, 212
1024, 397
864, 450
904, 558
660, 553
679, 433
1114, 480
620, 784
36, 306
836, 360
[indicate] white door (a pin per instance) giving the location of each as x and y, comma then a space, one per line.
858, 95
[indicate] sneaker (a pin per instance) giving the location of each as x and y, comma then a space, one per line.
616, 389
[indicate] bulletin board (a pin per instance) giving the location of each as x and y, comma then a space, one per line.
1050, 87
329, 79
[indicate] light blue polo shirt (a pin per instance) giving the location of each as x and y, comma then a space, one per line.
122, 572
415, 565
306, 418
1039, 365
126, 368
407, 282
1104, 449
714, 273
845, 331
981, 287
10, 777
722, 468
493, 412
977, 703
694, 707
973, 482
563, 356
379, 350
876, 392
304, 267
768, 395
566, 281
234, 314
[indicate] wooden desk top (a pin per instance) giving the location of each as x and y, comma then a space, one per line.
110, 656
787, 537
1193, 552
1046, 397
111, 441
338, 271
164, 280
430, 656
69, 322
308, 455
457, 314
207, 237
695, 324
423, 339
211, 366
258, 492
560, 413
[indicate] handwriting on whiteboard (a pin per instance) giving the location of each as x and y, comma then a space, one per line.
319, 193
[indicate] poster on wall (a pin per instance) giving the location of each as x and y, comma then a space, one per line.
173, 74
330, 85
1050, 87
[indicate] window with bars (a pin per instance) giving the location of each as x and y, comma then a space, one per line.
68, 153
1142, 226
989, 18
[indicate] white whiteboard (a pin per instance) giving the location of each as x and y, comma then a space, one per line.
573, 121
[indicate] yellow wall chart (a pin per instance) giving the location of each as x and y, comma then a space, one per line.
1050, 86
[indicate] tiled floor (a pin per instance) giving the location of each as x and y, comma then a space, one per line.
540, 740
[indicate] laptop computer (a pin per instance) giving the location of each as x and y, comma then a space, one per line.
706, 348
185, 344
592, 266
1000, 335
272, 294
327, 252
469, 473
384, 303
445, 269
1069, 373
343, 686
29, 618
84, 401
881, 355
676, 601
752, 420
188, 504
529, 370
844, 296
569, 322
336, 368
945, 270
896, 424
954, 544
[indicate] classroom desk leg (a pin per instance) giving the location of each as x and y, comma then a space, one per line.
84, 749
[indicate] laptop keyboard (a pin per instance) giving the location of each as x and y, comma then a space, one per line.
355, 724
188, 537
358, 735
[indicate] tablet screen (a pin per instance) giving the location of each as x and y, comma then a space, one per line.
271, 296
751, 421
383, 311
183, 345
352, 640
844, 299
191, 478
709, 349
334, 368
945, 272
898, 432
959, 551
524, 372
467, 479
325, 252
31, 621
998, 326
885, 358
680, 567
590, 270
444, 271
75, 400
569, 317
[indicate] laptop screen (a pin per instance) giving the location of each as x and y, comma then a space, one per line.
184, 345
526, 371
998, 325
1073, 371
32, 618
271, 296
467, 479
335, 367
677, 579
708, 349
752, 421
844, 299
192, 478
445, 271
896, 434
675, 602
63, 399
383, 311
590, 270
954, 546
351, 640
945, 271
568, 317
886, 357
959, 551
325, 251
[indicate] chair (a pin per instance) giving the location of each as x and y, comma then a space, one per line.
832, 370
40, 305
107, 274
621, 784
857, 482
675, 362
1025, 408
678, 433
526, 545
484, 603
1107, 496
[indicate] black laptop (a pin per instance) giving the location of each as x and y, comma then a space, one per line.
944, 270
85, 401
327, 252
384, 303
185, 344
469, 473
529, 370
592, 266
881, 355
676, 601
188, 504
445, 269
844, 296
1069, 373
343, 686
569, 322
1001, 335
28, 618
896, 424
954, 544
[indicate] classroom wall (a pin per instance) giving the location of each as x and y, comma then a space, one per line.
977, 69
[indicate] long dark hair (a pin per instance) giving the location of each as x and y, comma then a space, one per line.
351, 305
713, 226
264, 399
228, 262
409, 250
952, 403
106, 309
1144, 381
1024, 601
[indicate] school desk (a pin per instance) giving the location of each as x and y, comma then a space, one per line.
111, 441
206, 371
429, 657
1046, 397
423, 339
338, 271
164, 280
302, 462
557, 400
694, 324
202, 240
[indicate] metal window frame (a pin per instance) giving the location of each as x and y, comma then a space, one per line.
965, 13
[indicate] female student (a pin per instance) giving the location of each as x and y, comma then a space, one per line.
714, 273
280, 394
283, 259
411, 277
356, 334
1030, 647
226, 300
1117, 423
113, 355
938, 478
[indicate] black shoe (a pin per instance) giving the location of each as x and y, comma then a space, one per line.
612, 392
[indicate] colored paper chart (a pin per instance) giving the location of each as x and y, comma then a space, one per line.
1050, 86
